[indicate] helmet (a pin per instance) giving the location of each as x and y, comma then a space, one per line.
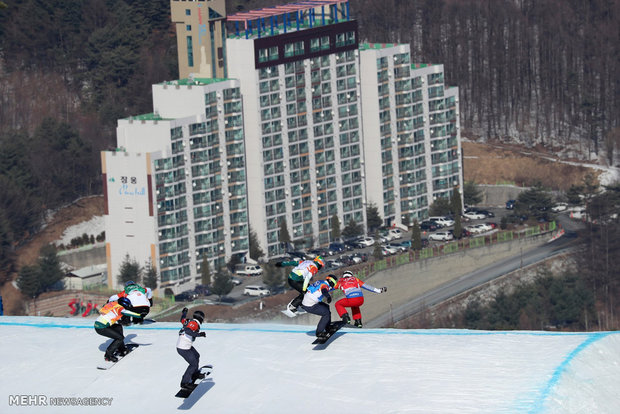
129, 283
319, 262
331, 280
347, 273
199, 316
124, 302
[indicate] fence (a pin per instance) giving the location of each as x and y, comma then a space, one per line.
364, 270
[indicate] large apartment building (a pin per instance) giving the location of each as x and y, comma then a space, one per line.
411, 130
175, 187
301, 125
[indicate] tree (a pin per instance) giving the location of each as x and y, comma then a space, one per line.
130, 270
535, 202
377, 251
284, 236
441, 207
150, 279
273, 276
49, 267
471, 194
235, 259
255, 250
457, 209
29, 281
352, 229
416, 237
373, 219
205, 272
222, 284
335, 222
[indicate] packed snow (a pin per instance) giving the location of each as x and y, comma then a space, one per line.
274, 368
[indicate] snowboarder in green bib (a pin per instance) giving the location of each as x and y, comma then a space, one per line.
300, 277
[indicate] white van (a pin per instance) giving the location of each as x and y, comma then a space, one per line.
248, 270
253, 290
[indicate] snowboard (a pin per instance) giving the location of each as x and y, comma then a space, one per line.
186, 392
292, 314
109, 364
331, 330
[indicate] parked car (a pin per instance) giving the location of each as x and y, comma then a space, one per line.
365, 241
202, 290
474, 215
510, 204
428, 225
187, 296
441, 236
255, 290
559, 207
337, 247
443, 221
389, 250
235, 281
248, 270
487, 213
395, 233
399, 247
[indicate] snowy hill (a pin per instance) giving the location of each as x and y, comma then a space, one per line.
269, 368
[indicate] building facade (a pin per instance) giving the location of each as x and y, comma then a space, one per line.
301, 126
175, 188
411, 133
201, 42
300, 82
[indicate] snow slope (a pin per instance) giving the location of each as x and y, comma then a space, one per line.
270, 368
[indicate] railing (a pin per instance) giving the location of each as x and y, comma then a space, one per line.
365, 270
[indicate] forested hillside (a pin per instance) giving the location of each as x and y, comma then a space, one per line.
529, 71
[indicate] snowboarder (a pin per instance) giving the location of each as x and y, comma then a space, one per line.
300, 276
312, 302
351, 286
106, 325
185, 346
141, 299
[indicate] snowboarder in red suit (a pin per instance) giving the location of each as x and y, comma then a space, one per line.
352, 287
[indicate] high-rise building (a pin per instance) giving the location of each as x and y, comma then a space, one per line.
175, 188
290, 122
411, 133
201, 42
299, 71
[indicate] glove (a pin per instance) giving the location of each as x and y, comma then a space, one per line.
202, 334
185, 310
328, 297
383, 289
278, 264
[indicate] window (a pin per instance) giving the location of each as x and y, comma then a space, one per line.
190, 52
188, 27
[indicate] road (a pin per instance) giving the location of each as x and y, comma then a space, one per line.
481, 276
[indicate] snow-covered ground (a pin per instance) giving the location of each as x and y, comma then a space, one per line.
270, 368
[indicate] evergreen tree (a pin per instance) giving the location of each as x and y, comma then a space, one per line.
472, 195
373, 219
352, 229
50, 270
441, 207
130, 270
457, 209
273, 277
29, 281
283, 236
255, 250
377, 251
150, 278
335, 222
222, 284
416, 237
